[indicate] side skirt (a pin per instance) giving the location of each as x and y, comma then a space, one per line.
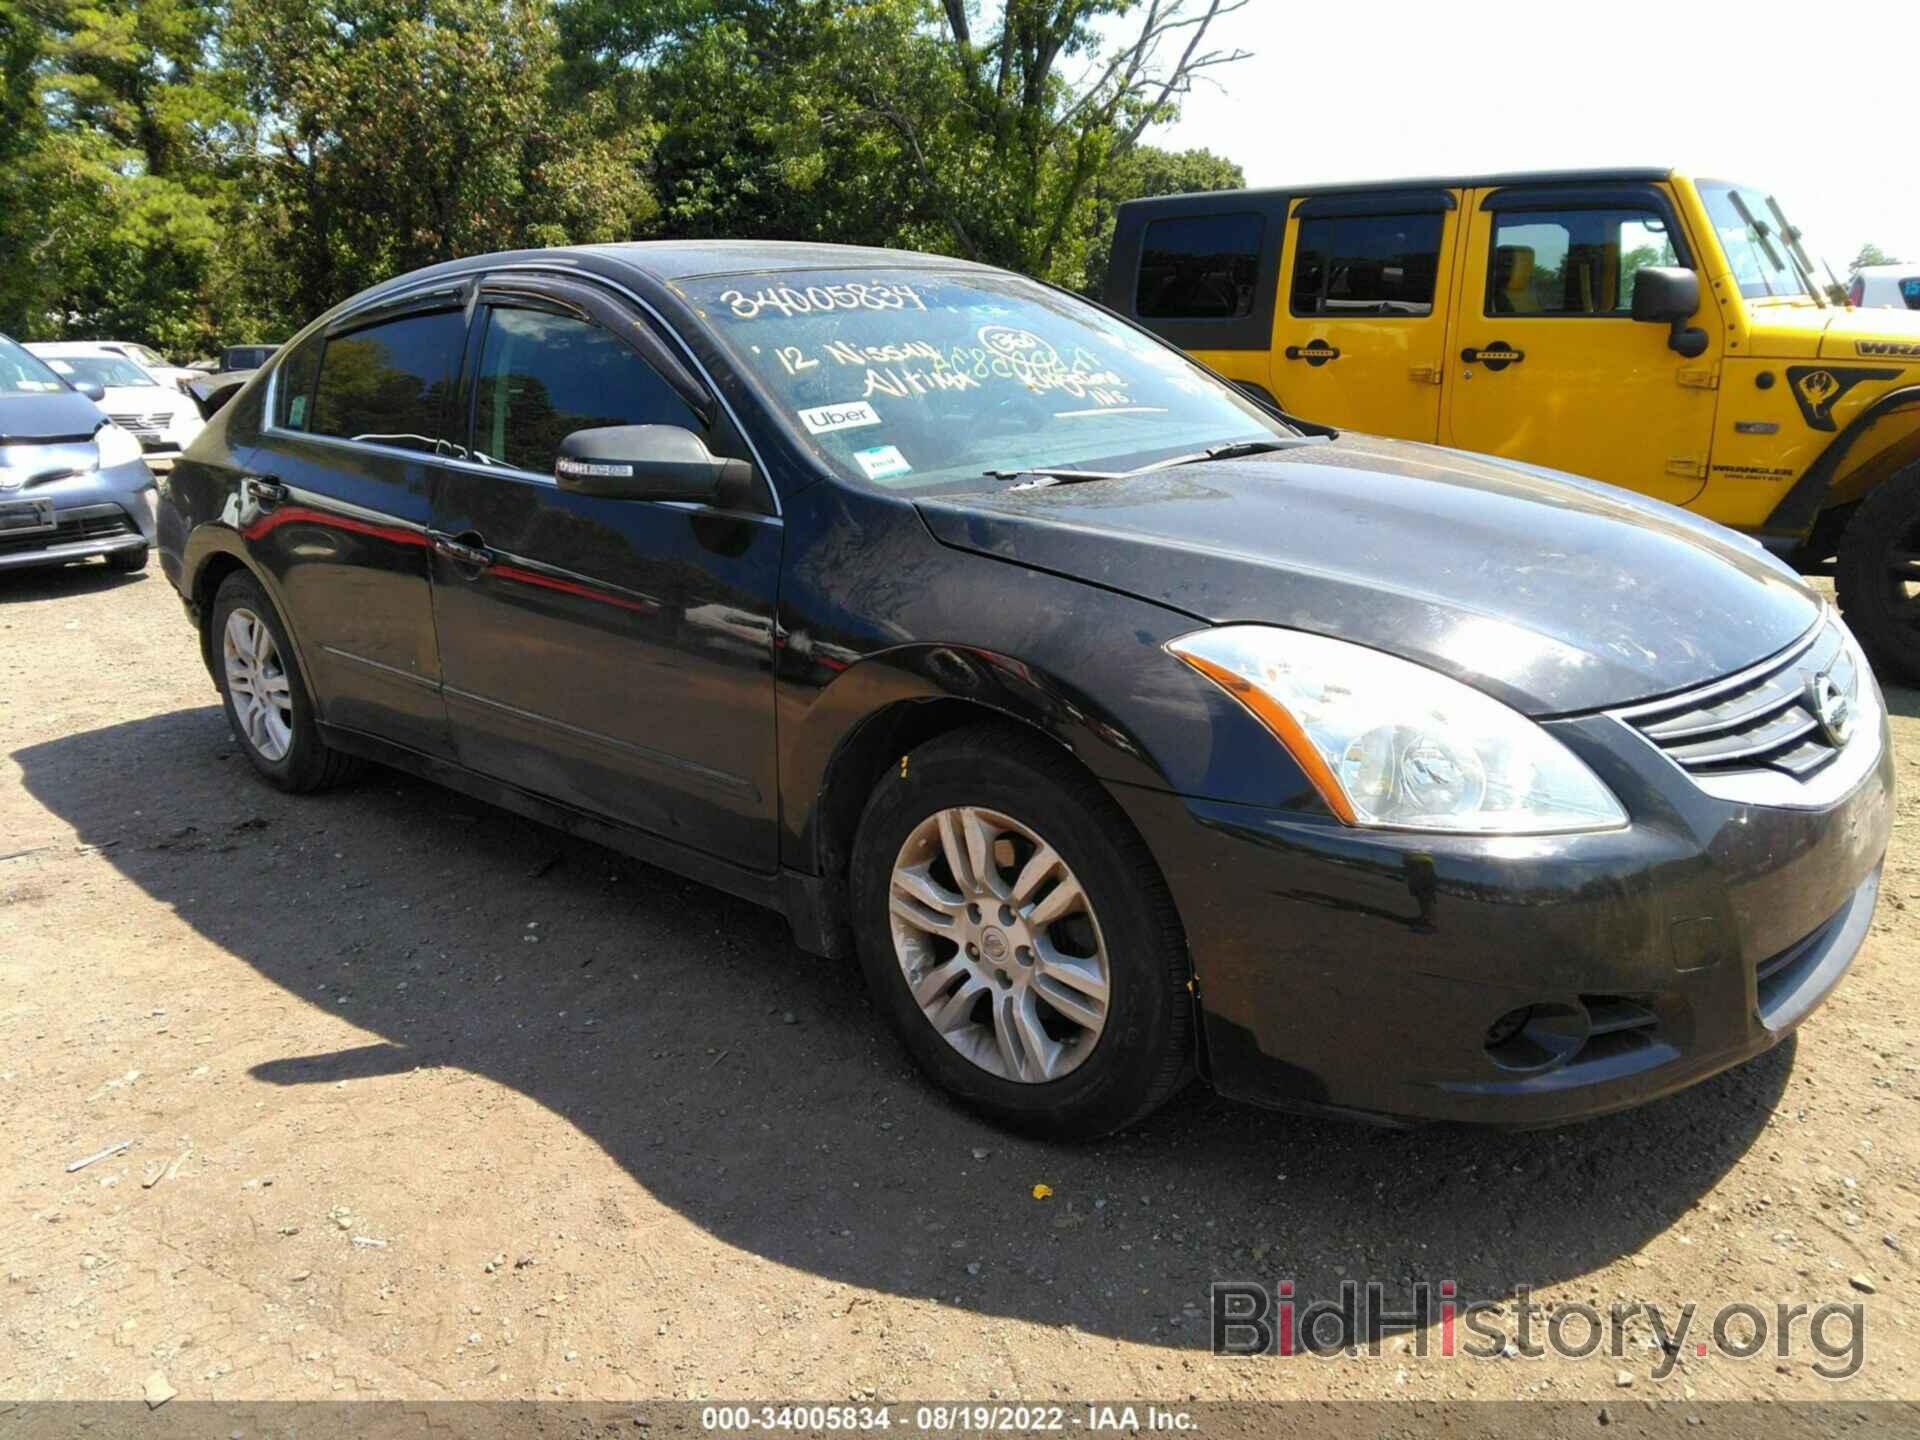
775, 891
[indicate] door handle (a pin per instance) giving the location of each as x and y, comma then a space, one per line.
263, 490
464, 550
1495, 356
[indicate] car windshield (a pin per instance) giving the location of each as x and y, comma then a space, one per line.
923, 379
101, 370
1751, 237
25, 374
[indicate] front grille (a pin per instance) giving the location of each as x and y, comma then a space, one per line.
68, 532
1760, 719
142, 425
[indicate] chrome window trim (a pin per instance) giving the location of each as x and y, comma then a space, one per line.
479, 275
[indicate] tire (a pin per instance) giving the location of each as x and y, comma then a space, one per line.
1074, 1081
128, 562
1871, 578
304, 762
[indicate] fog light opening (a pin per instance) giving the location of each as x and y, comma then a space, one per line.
1538, 1037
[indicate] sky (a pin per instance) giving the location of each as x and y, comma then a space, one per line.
1813, 104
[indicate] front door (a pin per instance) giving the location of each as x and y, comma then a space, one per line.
1550, 366
614, 655
1360, 336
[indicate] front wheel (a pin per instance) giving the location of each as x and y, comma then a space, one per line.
128, 562
1878, 577
1019, 938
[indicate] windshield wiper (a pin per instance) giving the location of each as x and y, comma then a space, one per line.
1796, 252
1232, 450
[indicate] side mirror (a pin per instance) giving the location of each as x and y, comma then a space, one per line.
1669, 295
650, 462
93, 392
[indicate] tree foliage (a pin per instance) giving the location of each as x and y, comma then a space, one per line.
192, 172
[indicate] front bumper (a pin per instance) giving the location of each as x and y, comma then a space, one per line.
101, 513
1360, 971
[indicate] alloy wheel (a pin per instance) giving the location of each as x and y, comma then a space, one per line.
999, 944
257, 684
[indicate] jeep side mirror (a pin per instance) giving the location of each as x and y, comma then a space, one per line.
1669, 295
650, 462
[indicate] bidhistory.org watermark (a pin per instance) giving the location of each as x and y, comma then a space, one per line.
1251, 1317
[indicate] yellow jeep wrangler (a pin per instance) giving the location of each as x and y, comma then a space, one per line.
1658, 332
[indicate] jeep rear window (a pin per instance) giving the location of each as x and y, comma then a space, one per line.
1366, 265
1199, 267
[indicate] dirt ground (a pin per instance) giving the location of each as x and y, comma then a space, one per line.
425, 1101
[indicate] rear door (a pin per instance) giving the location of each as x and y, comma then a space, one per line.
337, 510
1360, 338
1550, 365
615, 655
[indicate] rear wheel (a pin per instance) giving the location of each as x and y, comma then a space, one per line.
1878, 577
268, 705
1019, 938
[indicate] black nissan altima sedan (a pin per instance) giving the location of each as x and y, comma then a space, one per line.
1122, 727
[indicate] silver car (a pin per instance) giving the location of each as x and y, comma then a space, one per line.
73, 484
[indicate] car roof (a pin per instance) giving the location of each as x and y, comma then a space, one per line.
683, 259
1643, 174
1899, 267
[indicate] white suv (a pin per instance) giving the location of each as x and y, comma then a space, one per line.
165, 419
1881, 287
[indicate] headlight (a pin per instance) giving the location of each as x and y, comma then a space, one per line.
1392, 744
116, 446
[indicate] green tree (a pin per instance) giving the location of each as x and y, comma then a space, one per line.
1871, 254
397, 133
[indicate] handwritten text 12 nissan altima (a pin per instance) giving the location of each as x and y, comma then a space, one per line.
1122, 727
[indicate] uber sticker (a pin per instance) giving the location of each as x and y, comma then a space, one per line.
851, 416
882, 461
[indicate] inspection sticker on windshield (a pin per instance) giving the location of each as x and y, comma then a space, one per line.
851, 416
882, 461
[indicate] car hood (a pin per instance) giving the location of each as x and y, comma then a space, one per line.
1554, 594
1804, 331
55, 415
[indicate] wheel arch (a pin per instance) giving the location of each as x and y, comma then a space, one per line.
213, 553
875, 713
1800, 507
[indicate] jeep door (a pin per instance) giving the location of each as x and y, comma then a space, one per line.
1359, 337
1550, 367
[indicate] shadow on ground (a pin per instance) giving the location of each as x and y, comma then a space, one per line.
750, 1088
89, 577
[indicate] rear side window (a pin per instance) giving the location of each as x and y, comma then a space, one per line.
1199, 267
388, 383
1910, 291
1574, 262
293, 387
1366, 265
543, 376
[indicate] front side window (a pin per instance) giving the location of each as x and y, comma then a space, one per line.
1573, 262
388, 383
1199, 267
543, 376
925, 379
22, 373
1347, 265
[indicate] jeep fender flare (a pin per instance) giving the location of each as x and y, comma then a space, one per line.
1793, 517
